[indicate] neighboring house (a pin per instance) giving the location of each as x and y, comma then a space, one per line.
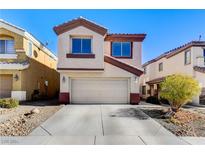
97, 67
27, 67
188, 59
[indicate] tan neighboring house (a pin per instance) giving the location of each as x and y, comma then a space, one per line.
97, 67
188, 59
27, 67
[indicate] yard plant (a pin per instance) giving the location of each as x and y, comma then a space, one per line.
179, 90
8, 103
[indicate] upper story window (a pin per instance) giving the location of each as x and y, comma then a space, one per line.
121, 49
7, 47
187, 57
204, 53
145, 70
30, 51
81, 45
160, 67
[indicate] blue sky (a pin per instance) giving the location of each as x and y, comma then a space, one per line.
165, 29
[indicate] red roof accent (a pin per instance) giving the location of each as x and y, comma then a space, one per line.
125, 37
79, 22
122, 65
155, 81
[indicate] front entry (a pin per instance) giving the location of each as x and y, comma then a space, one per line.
6, 86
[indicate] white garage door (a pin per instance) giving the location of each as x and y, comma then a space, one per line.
92, 90
5, 86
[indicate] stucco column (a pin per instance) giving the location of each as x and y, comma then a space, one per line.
64, 96
17, 86
196, 100
134, 93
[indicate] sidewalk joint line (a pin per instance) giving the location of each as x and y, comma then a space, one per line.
46, 131
142, 140
95, 140
184, 140
102, 120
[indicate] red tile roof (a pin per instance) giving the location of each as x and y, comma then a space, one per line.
125, 37
177, 50
59, 29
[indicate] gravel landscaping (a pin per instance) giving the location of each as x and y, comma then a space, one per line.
186, 122
22, 120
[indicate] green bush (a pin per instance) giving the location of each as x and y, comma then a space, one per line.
152, 100
179, 90
8, 103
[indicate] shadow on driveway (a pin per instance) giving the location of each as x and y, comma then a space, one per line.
130, 112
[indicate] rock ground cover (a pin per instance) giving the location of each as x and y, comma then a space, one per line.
22, 120
186, 122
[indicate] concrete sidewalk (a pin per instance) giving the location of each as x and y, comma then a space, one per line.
101, 124
101, 140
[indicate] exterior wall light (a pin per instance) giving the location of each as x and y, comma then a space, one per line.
136, 79
16, 77
63, 79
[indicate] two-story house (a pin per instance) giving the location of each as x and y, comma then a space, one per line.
95, 66
188, 59
27, 67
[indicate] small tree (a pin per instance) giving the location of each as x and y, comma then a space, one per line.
179, 90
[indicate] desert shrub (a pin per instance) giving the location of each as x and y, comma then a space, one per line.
8, 103
152, 100
179, 90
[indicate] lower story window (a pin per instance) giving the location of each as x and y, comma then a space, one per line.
143, 90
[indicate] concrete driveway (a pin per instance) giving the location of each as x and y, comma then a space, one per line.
103, 124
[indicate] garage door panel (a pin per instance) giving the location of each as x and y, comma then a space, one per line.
99, 91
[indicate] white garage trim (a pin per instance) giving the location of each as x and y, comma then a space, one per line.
100, 90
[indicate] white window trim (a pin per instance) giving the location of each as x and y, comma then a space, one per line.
81, 37
8, 56
30, 55
13, 66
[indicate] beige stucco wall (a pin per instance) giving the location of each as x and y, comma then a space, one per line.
42, 57
109, 72
41, 68
64, 47
4, 33
136, 57
175, 65
35, 76
171, 65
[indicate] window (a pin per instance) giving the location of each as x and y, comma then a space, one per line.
187, 58
145, 70
81, 45
143, 90
30, 49
204, 56
204, 53
121, 49
7, 47
160, 67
